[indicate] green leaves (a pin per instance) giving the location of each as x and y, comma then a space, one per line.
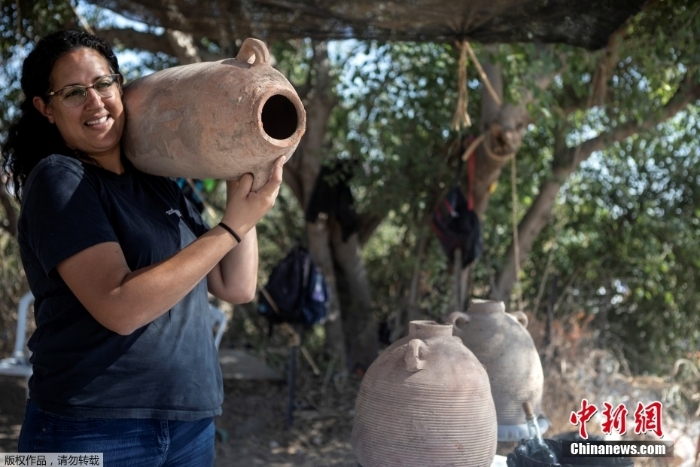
637, 212
626, 250
21, 24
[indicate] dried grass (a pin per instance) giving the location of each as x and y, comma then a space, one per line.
575, 369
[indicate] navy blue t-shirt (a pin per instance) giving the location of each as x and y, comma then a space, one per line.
167, 369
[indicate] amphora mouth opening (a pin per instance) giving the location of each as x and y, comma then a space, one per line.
279, 117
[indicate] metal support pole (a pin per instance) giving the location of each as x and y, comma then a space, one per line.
291, 383
458, 280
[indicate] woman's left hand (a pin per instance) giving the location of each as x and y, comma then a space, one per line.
234, 279
244, 207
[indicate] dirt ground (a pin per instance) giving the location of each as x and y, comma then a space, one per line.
253, 424
12, 398
252, 429
253, 433
254, 419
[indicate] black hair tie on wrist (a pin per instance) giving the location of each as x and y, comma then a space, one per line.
231, 231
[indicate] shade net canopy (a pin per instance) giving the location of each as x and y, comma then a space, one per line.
584, 23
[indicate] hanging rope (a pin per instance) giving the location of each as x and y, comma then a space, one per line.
491, 154
82, 21
461, 117
466, 156
516, 246
484, 78
482, 139
472, 147
548, 266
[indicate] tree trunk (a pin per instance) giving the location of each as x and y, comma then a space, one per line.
413, 311
9, 223
357, 344
300, 174
319, 246
358, 317
503, 127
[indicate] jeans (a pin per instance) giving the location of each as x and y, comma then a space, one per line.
126, 442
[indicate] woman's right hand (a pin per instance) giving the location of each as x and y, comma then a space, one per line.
245, 208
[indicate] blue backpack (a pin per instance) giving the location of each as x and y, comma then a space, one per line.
296, 291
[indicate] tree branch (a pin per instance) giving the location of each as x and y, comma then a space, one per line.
368, 223
566, 161
604, 69
687, 92
133, 39
183, 45
191, 52
569, 102
304, 89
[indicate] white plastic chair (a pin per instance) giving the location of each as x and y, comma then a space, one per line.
218, 321
218, 318
18, 364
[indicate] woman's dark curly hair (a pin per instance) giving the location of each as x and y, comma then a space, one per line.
32, 137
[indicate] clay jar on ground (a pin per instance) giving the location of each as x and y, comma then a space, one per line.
213, 120
503, 345
425, 401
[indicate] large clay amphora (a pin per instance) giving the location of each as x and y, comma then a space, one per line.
214, 120
425, 401
503, 345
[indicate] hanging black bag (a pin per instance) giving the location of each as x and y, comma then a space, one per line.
455, 222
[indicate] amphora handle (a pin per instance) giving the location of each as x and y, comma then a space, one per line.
253, 48
415, 355
457, 317
520, 317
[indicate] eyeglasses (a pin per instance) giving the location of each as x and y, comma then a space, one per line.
74, 95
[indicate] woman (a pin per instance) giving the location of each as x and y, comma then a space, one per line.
120, 264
